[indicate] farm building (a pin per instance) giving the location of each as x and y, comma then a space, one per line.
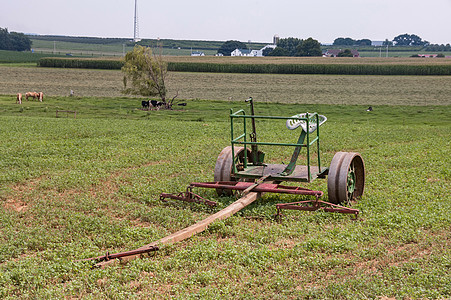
197, 53
242, 52
427, 55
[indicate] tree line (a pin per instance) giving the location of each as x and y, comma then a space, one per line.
80, 39
400, 40
14, 41
285, 47
310, 47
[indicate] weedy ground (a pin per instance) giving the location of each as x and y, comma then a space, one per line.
72, 188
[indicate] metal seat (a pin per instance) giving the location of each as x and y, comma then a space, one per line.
295, 123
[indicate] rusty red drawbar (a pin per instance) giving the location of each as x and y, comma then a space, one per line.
262, 187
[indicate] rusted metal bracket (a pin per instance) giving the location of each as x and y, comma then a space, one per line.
119, 255
312, 205
188, 196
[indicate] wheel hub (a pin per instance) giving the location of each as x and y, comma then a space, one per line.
351, 183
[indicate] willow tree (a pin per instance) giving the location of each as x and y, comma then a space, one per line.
145, 74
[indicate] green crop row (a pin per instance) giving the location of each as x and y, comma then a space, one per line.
52, 62
335, 69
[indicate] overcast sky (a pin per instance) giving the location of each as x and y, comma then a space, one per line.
244, 20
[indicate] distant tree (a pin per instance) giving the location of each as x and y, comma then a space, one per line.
267, 51
14, 41
309, 47
278, 51
387, 43
345, 53
344, 42
351, 42
145, 74
363, 42
290, 45
409, 40
441, 55
228, 47
436, 47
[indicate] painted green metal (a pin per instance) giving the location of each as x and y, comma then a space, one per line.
255, 168
351, 181
290, 167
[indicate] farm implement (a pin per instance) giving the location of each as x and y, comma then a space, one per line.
241, 169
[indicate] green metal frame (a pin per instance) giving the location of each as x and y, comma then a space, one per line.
242, 139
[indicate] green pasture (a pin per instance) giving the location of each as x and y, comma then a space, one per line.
73, 188
74, 47
27, 57
112, 49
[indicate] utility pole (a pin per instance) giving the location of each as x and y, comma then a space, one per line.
135, 29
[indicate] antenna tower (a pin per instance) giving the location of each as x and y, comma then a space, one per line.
136, 31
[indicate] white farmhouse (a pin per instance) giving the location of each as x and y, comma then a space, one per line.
245, 52
197, 53
241, 52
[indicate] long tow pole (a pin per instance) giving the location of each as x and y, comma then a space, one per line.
248, 198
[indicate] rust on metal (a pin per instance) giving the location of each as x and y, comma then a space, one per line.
119, 255
312, 205
261, 188
187, 196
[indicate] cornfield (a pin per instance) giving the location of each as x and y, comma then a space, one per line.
372, 67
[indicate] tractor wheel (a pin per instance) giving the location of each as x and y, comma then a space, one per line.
346, 178
223, 167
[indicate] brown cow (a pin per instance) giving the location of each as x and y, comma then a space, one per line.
41, 96
31, 94
19, 98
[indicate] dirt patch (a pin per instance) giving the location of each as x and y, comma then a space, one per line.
21, 196
15, 205
23, 193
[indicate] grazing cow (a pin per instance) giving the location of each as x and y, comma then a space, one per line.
145, 104
31, 94
41, 96
19, 98
156, 104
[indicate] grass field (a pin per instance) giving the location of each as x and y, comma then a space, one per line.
72, 188
76, 188
115, 49
318, 89
15, 57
